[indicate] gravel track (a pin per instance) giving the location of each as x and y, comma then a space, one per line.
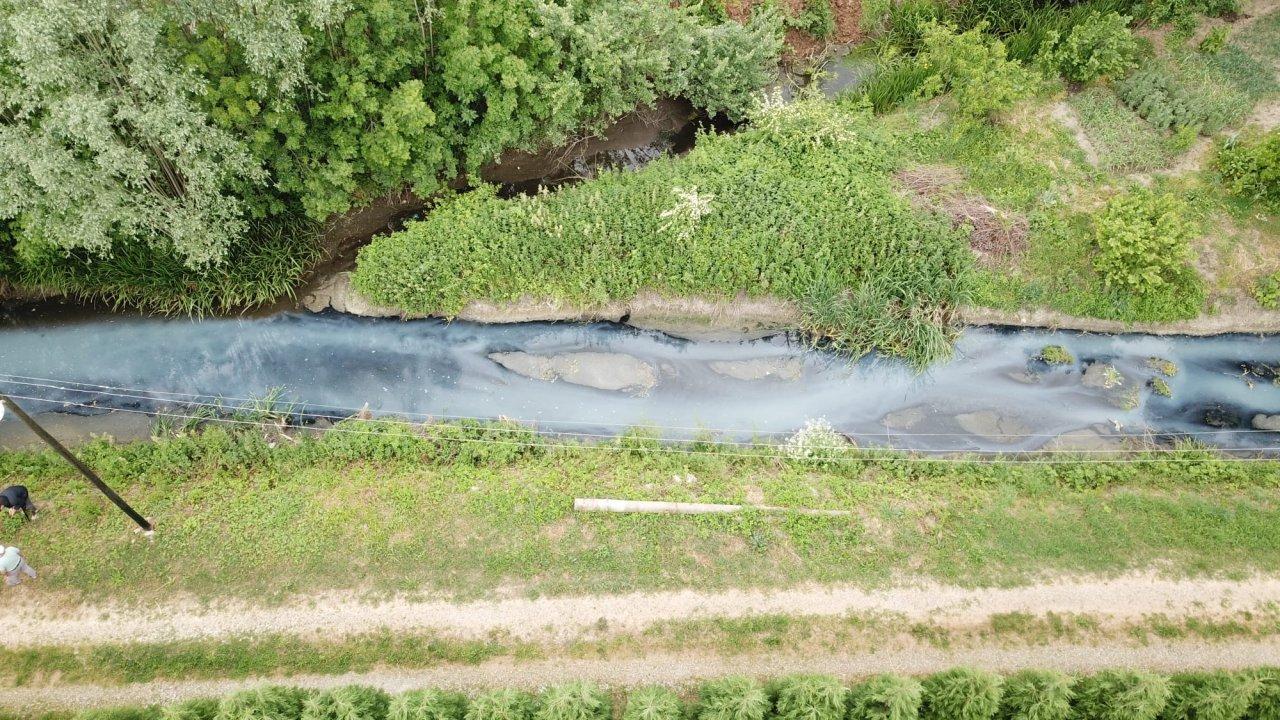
679, 669
335, 615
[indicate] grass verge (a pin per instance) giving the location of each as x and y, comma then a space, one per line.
466, 510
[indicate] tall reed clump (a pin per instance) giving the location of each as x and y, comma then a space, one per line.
351, 702
961, 694
886, 697
652, 703
810, 697
1121, 695
427, 705
1036, 695
732, 698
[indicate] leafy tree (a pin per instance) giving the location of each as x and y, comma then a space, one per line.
102, 139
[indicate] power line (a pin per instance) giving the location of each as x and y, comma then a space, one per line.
150, 394
890, 454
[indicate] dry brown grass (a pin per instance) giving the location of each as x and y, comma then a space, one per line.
995, 234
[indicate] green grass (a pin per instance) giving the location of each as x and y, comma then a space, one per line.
798, 206
1123, 140
399, 513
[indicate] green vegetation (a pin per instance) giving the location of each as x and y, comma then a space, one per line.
279, 655
1144, 248
1055, 355
172, 132
799, 206
465, 509
965, 694
1121, 695
1098, 46
1250, 167
1266, 290
1036, 695
810, 697
1214, 41
1123, 141
973, 67
1160, 387
1168, 368
961, 694
427, 705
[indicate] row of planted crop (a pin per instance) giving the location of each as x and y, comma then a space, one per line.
958, 694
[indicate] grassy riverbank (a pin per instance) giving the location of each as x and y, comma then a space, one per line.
490, 508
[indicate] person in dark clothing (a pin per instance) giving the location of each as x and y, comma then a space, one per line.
15, 498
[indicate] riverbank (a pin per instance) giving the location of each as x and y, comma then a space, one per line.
746, 318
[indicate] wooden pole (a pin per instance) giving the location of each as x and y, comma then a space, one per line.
89, 474
682, 508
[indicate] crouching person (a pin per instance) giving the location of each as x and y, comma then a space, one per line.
15, 498
14, 566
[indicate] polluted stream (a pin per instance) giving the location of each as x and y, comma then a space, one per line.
994, 395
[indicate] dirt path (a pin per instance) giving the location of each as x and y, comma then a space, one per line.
681, 669
1126, 597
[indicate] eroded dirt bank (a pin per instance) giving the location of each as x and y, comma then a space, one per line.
744, 317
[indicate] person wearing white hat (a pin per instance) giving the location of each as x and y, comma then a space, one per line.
14, 566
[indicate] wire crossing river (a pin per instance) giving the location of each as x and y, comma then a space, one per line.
994, 395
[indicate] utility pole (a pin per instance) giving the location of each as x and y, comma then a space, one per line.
8, 403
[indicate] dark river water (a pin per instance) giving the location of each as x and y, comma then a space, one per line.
993, 395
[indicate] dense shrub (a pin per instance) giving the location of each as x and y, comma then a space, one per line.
1210, 696
1143, 242
732, 698
505, 704
1156, 96
268, 703
798, 206
653, 703
810, 697
1266, 697
1250, 167
573, 701
1100, 46
1266, 290
961, 694
885, 697
974, 68
351, 702
1036, 695
427, 705
1121, 695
